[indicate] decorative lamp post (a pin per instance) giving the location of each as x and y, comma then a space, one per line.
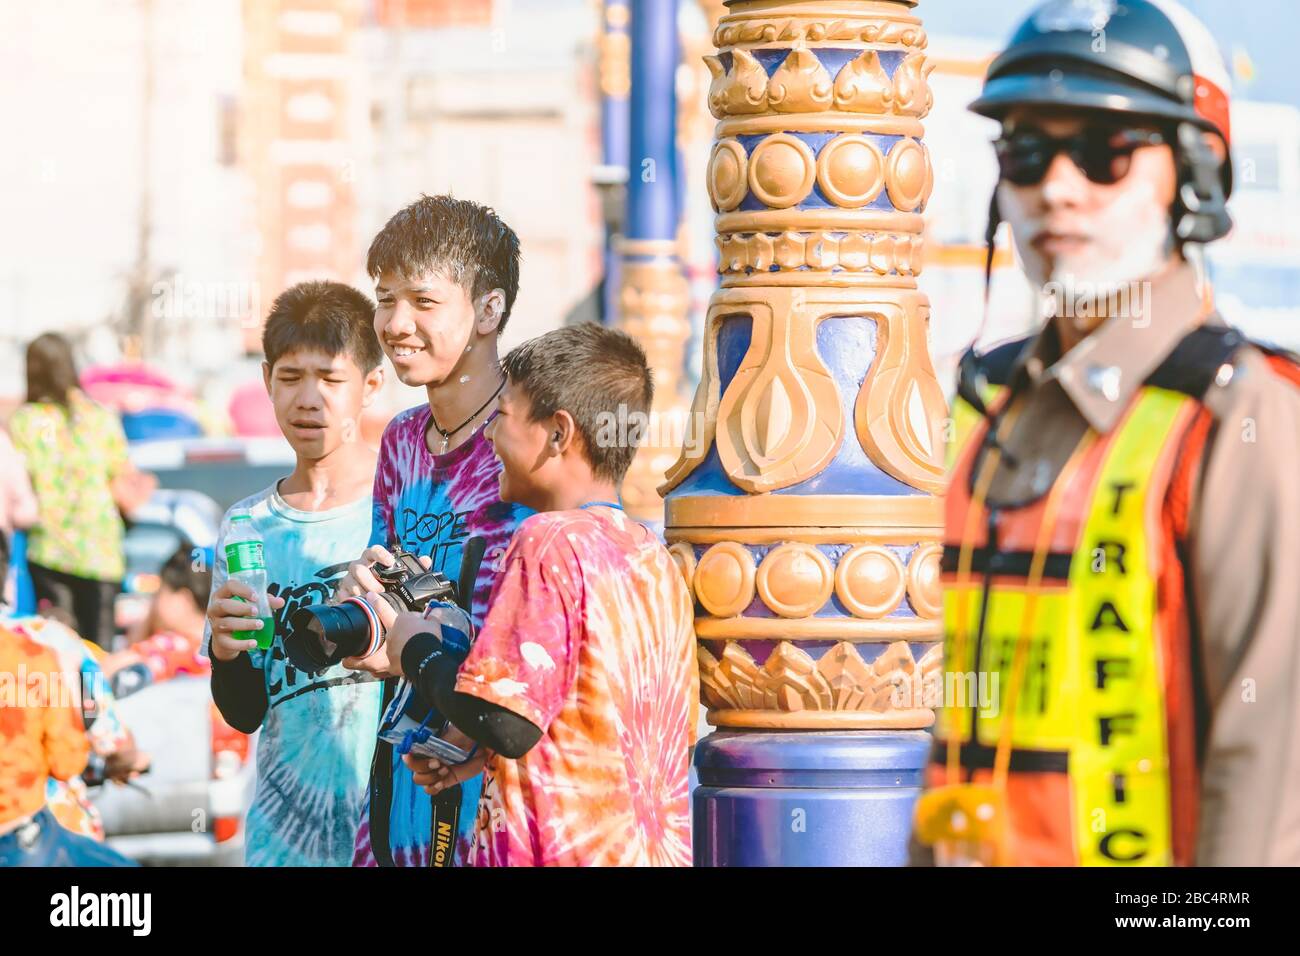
802, 509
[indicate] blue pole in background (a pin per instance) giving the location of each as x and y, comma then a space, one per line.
615, 124
652, 172
654, 299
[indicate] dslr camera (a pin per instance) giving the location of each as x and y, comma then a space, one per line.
324, 634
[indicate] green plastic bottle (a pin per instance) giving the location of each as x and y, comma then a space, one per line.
246, 563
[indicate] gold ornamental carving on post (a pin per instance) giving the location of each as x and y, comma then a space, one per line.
654, 300
802, 510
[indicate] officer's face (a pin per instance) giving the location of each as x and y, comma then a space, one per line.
1072, 231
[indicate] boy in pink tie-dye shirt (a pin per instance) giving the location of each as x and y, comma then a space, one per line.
582, 682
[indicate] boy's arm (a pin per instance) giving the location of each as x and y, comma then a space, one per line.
524, 661
238, 687
239, 690
1244, 553
490, 725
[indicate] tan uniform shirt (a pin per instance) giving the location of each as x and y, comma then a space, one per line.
1245, 548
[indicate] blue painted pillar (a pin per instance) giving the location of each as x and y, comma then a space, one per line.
803, 509
615, 129
654, 299
652, 184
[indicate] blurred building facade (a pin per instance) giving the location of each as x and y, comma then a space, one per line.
300, 119
121, 179
201, 155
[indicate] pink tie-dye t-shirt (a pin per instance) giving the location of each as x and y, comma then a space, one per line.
589, 636
430, 505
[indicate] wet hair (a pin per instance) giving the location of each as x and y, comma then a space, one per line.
179, 574
51, 371
467, 243
329, 317
593, 373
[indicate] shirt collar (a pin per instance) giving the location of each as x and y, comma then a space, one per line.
1101, 373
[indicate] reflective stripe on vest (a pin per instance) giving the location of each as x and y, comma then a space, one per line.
1093, 690
964, 421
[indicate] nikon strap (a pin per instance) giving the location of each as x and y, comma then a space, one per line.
446, 816
381, 788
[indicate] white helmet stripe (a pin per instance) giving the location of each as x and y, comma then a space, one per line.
1207, 61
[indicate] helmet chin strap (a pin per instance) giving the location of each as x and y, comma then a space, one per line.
1194, 254
970, 382
1200, 212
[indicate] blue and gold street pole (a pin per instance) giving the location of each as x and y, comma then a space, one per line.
615, 86
803, 510
654, 298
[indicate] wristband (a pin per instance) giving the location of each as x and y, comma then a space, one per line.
418, 653
419, 668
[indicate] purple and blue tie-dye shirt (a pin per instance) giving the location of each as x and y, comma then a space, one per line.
430, 505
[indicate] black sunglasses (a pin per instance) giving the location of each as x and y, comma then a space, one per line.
1104, 154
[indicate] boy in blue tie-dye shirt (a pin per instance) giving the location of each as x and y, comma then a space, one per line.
318, 730
446, 273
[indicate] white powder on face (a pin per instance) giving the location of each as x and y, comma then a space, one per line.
1129, 236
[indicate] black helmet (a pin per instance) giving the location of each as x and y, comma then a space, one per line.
1145, 58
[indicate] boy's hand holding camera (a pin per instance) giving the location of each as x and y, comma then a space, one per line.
228, 616
360, 581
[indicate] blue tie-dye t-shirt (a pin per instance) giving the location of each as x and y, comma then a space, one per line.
430, 505
317, 739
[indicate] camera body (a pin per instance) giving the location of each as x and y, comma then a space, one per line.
324, 634
409, 587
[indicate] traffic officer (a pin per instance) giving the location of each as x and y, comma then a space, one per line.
1122, 530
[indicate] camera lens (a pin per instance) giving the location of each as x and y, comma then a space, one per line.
324, 634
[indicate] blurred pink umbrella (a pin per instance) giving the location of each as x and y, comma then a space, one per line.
130, 388
252, 413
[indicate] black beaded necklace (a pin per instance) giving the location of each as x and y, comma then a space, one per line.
446, 433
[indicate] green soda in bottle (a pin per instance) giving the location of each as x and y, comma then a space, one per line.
246, 564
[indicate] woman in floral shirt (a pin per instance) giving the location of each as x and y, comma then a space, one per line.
75, 450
